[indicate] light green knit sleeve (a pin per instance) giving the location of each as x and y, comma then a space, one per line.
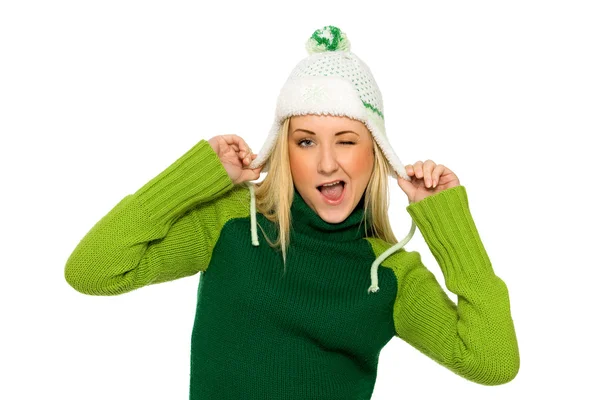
164, 231
475, 338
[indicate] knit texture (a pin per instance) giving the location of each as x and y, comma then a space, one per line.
313, 332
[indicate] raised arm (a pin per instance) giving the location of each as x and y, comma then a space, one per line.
476, 337
164, 231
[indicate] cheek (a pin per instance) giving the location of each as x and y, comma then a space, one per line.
362, 163
298, 165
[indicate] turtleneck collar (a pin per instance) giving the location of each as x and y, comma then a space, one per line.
305, 220
308, 222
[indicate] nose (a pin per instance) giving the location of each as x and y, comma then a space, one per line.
327, 163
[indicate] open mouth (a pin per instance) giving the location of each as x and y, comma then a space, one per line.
333, 193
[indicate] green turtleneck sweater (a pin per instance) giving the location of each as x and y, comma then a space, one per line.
314, 332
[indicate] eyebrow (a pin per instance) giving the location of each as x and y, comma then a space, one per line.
312, 133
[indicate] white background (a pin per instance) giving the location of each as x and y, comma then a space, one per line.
97, 98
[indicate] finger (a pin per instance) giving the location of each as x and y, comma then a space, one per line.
437, 172
250, 174
231, 138
237, 143
249, 157
409, 169
246, 152
418, 166
428, 167
231, 141
246, 161
243, 146
228, 142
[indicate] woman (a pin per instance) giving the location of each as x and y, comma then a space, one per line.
295, 319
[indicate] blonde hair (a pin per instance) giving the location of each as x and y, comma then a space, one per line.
274, 194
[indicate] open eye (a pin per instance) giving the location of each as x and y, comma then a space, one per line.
300, 142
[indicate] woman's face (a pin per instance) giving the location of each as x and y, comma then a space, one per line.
326, 149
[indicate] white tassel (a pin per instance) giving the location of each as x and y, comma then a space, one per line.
374, 279
253, 231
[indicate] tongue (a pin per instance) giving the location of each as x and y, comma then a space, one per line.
332, 192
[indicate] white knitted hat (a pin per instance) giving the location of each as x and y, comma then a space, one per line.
331, 80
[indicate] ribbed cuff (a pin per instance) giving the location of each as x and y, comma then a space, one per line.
447, 226
196, 177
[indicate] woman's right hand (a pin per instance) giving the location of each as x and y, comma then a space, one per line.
235, 155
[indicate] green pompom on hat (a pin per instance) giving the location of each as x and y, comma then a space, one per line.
329, 38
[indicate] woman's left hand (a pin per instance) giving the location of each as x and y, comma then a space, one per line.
427, 179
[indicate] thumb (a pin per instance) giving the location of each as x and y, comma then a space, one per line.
250, 174
406, 186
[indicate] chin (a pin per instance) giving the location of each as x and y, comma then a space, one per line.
334, 217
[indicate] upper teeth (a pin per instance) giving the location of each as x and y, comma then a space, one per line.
331, 184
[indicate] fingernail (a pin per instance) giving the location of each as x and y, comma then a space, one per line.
428, 182
434, 183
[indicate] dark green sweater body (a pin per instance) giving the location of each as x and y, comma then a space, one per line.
314, 332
